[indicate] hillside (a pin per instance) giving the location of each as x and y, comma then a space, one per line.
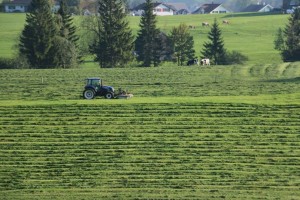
250, 34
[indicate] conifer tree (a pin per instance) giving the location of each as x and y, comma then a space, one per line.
38, 35
67, 28
290, 49
148, 42
183, 44
68, 43
214, 48
114, 44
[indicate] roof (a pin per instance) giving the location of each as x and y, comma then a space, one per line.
294, 3
207, 8
142, 6
178, 6
14, 2
254, 8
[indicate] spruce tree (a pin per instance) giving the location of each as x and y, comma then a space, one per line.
183, 44
38, 35
114, 44
67, 31
214, 48
291, 34
67, 28
279, 40
148, 42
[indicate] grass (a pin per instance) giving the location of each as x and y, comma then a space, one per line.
168, 150
250, 34
188, 133
11, 26
219, 132
169, 81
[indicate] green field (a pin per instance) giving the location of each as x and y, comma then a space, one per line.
250, 34
218, 132
188, 133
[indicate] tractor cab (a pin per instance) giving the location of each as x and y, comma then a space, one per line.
94, 82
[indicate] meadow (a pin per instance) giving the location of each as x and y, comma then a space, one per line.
250, 34
218, 132
188, 133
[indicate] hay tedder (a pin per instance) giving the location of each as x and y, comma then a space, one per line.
94, 87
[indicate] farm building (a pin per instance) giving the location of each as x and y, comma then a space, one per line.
258, 8
16, 6
160, 9
211, 9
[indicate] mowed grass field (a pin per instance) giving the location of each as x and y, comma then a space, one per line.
250, 34
220, 132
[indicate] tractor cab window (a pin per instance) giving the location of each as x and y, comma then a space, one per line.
94, 82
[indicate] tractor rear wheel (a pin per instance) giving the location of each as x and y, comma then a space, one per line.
109, 95
88, 94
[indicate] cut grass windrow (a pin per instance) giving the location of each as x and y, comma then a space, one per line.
137, 150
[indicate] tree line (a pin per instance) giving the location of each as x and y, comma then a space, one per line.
50, 41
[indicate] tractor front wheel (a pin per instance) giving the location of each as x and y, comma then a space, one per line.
109, 95
88, 94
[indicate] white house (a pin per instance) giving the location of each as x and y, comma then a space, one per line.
211, 9
23, 5
160, 9
258, 8
16, 5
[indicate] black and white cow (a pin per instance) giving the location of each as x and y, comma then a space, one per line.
194, 61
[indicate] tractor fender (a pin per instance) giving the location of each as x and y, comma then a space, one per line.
90, 88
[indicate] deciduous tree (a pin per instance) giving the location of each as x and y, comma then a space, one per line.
183, 44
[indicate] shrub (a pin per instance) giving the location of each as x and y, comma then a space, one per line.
6, 63
18, 62
235, 57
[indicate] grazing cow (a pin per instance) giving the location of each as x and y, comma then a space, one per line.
193, 62
205, 24
205, 61
225, 22
192, 27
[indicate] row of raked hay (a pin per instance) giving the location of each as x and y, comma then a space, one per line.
146, 151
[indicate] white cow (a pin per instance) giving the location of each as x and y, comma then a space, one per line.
205, 61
